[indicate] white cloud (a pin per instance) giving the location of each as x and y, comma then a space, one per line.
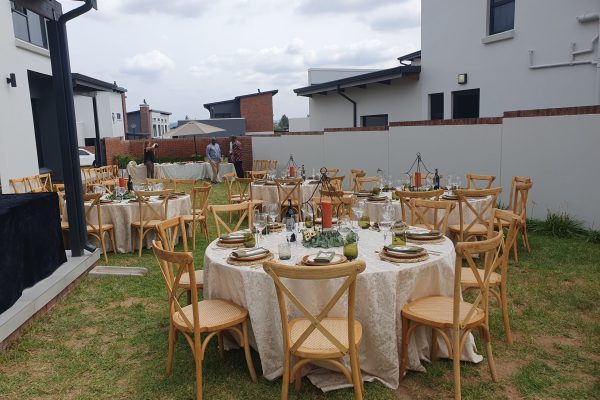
150, 64
178, 8
341, 6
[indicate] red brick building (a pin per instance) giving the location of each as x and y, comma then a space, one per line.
255, 108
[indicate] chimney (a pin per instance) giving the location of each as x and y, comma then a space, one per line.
145, 118
124, 114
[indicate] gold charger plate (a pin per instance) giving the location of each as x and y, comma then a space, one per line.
252, 258
238, 263
337, 259
395, 260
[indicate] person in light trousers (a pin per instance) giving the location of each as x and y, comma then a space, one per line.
213, 155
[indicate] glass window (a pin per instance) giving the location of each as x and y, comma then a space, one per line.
436, 106
29, 26
502, 15
465, 104
374, 120
83, 152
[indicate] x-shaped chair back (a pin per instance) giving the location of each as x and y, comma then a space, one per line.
153, 210
349, 271
406, 198
337, 181
94, 208
167, 183
229, 178
519, 193
258, 174
331, 172
289, 189
199, 199
20, 185
431, 213
484, 216
243, 186
183, 185
169, 231
473, 181
355, 173
491, 248
245, 212
360, 181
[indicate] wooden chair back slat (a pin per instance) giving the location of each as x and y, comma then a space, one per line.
169, 232
289, 189
474, 181
464, 206
361, 181
244, 209
406, 198
427, 212
152, 210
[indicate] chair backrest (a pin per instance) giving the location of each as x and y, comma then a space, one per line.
355, 173
183, 185
337, 182
259, 165
94, 208
512, 222
427, 212
20, 185
331, 172
474, 181
245, 212
229, 179
200, 197
491, 249
289, 189
483, 216
169, 231
243, 186
349, 271
257, 174
46, 181
173, 265
406, 197
362, 181
517, 202
167, 183
340, 204
153, 210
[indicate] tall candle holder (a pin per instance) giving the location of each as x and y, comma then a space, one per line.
291, 167
324, 184
417, 171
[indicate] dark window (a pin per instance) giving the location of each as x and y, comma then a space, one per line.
88, 142
436, 106
465, 104
222, 115
374, 120
29, 26
502, 15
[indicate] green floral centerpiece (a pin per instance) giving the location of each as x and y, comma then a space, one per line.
126, 196
326, 239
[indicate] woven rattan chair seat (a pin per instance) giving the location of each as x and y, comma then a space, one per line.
437, 311
214, 315
317, 345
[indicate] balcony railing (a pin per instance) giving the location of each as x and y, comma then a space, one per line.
30, 27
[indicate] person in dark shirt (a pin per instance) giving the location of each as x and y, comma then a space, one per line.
236, 156
149, 150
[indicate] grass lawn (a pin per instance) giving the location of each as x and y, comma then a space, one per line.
107, 340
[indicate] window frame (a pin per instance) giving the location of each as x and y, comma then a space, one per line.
441, 94
363, 119
492, 5
462, 93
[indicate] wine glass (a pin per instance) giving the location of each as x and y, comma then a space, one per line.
262, 222
271, 209
119, 192
449, 183
387, 219
256, 222
458, 182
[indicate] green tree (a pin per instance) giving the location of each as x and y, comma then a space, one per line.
284, 123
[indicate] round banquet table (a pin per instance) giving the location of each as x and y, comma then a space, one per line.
381, 292
374, 210
191, 170
122, 214
269, 193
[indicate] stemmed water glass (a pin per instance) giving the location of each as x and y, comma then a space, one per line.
120, 191
271, 209
449, 183
259, 222
387, 219
358, 212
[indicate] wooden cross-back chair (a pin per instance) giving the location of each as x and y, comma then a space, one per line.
46, 181
337, 182
197, 218
474, 181
431, 214
259, 165
244, 190
245, 212
98, 229
499, 277
150, 214
331, 172
317, 337
362, 181
209, 317
166, 182
289, 189
355, 173
406, 197
257, 174
183, 185
20, 185
519, 194
232, 195
482, 224
169, 232
442, 313
340, 204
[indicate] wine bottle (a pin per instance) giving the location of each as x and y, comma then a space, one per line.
129, 184
289, 217
303, 173
436, 180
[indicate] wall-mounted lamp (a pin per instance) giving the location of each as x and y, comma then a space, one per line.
462, 79
12, 80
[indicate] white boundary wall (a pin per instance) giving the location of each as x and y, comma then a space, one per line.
559, 153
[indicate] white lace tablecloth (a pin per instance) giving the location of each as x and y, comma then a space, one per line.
382, 290
269, 193
197, 171
122, 214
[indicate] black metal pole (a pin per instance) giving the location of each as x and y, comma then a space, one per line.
97, 132
354, 112
65, 108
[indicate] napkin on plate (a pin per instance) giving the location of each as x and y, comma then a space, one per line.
424, 232
404, 249
324, 257
234, 235
249, 253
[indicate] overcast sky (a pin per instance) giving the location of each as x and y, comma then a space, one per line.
180, 54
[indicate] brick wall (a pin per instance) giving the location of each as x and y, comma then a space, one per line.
124, 104
145, 119
258, 112
182, 147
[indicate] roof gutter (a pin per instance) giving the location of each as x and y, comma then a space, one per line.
341, 93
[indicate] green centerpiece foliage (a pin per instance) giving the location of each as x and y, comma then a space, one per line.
325, 239
126, 196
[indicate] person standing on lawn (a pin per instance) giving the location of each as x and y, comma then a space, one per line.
149, 158
236, 156
213, 154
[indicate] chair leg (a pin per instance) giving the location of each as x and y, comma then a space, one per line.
404, 355
298, 380
434, 345
526, 239
171, 353
194, 227
103, 244
456, 364
286, 375
356, 376
504, 309
198, 361
141, 242
516, 251
247, 351
488, 349
113, 241
220, 345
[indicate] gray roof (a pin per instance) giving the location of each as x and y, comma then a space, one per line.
237, 98
84, 83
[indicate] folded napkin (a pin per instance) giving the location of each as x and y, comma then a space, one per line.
404, 249
424, 232
324, 257
234, 235
249, 253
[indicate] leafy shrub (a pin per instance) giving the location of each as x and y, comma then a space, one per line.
123, 159
593, 237
559, 225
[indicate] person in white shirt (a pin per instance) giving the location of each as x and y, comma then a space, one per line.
213, 155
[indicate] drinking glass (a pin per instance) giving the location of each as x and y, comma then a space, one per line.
387, 219
285, 250
458, 182
449, 183
256, 222
272, 211
119, 192
99, 189
262, 220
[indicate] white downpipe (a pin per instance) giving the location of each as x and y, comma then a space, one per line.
594, 17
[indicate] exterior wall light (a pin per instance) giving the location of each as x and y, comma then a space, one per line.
462, 79
12, 80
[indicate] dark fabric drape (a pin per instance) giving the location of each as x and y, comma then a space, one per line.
31, 244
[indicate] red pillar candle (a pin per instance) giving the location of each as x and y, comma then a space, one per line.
122, 182
417, 179
326, 214
292, 172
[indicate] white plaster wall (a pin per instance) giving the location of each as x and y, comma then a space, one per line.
399, 100
307, 150
116, 107
451, 33
560, 154
299, 124
84, 115
18, 153
320, 75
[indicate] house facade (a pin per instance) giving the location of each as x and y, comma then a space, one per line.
256, 109
147, 122
478, 59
